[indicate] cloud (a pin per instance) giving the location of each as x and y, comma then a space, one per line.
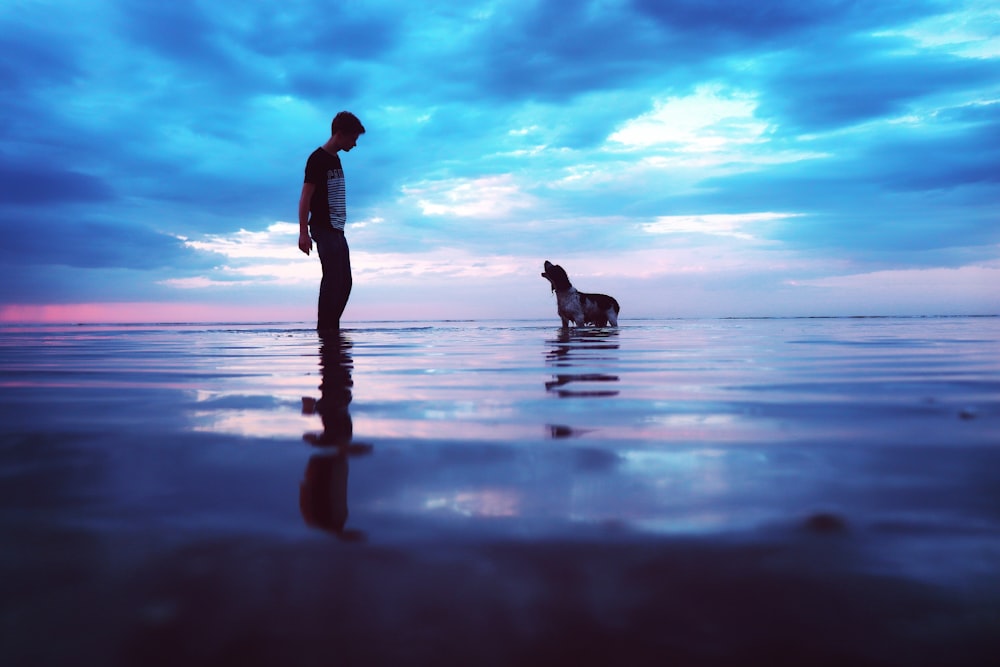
278, 241
30, 183
485, 197
85, 243
970, 32
272, 257
706, 121
712, 224
872, 80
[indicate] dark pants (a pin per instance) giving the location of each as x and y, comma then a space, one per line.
335, 288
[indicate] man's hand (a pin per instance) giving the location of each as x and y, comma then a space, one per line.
305, 242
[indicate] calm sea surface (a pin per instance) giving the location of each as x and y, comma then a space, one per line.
491, 492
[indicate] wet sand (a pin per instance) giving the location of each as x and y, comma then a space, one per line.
716, 492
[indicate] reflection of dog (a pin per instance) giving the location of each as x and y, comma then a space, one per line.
580, 307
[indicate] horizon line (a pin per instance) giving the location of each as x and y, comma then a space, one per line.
309, 325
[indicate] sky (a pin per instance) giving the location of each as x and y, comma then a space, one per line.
693, 158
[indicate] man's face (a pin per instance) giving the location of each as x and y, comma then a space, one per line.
346, 142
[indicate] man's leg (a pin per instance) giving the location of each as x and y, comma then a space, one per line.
335, 287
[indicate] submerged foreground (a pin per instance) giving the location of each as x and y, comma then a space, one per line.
810, 492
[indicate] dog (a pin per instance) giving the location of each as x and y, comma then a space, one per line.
581, 308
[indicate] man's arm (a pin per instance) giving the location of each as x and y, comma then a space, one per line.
305, 242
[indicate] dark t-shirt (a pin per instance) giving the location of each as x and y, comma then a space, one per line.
328, 206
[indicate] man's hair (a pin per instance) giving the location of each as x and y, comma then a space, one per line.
347, 123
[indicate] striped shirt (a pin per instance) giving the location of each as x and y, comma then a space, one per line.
328, 205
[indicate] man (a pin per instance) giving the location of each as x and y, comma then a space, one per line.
323, 214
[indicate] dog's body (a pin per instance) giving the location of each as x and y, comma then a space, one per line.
580, 307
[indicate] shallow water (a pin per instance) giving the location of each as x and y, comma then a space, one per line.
491, 492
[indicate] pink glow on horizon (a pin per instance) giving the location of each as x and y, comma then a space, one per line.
165, 313
126, 313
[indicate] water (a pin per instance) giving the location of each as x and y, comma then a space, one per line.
492, 492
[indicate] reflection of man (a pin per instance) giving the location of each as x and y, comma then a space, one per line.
335, 365
323, 492
323, 495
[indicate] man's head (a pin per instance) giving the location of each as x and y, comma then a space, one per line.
345, 129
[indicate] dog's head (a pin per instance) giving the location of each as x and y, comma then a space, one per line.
556, 276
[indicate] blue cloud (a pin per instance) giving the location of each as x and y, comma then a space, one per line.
52, 185
715, 23
86, 243
869, 79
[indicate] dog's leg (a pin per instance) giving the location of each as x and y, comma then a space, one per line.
565, 323
612, 317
